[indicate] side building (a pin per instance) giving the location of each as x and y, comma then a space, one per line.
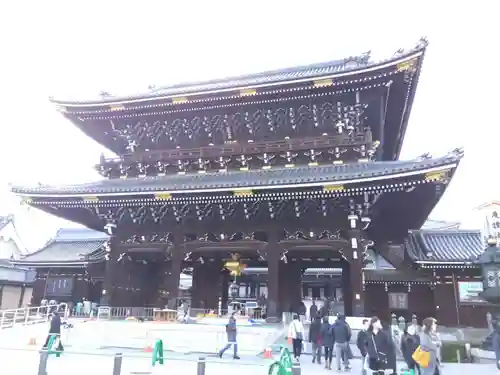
16, 283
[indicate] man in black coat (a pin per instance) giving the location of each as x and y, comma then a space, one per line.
361, 342
316, 339
391, 354
54, 330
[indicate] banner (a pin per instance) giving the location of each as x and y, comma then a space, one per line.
468, 291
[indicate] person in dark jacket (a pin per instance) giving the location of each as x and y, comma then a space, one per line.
496, 344
341, 337
409, 343
361, 342
327, 336
315, 339
54, 330
231, 337
391, 354
377, 348
313, 311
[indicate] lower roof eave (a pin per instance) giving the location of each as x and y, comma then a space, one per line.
429, 262
56, 264
132, 187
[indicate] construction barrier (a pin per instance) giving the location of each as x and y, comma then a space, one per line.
283, 366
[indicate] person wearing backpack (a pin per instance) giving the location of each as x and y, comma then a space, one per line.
315, 339
342, 336
296, 333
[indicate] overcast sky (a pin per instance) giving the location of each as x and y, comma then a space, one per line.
65, 49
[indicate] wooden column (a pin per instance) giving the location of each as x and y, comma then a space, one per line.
355, 259
273, 254
225, 290
207, 279
108, 297
174, 275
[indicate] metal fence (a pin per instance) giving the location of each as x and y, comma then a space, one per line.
30, 315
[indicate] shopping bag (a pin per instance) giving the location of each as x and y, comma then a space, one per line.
421, 357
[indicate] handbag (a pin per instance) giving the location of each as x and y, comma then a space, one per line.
381, 357
298, 335
421, 357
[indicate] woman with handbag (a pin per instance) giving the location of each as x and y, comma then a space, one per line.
296, 333
426, 355
378, 346
409, 343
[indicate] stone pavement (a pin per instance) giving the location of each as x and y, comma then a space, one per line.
91, 347
17, 362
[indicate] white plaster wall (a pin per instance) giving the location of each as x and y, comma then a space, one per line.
10, 297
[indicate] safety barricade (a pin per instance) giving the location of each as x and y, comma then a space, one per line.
125, 313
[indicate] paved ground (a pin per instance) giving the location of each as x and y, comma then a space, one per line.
86, 353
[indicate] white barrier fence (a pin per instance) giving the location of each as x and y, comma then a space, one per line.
30, 315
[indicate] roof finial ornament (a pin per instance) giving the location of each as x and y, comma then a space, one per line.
425, 156
422, 43
455, 154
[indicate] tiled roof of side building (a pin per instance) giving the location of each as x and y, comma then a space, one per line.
445, 246
69, 245
349, 65
253, 179
5, 220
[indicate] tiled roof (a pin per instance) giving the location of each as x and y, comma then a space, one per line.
317, 70
254, 179
445, 246
69, 246
440, 225
5, 220
389, 275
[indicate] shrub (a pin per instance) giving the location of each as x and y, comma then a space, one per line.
450, 348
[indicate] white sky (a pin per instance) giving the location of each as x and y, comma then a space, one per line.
80, 48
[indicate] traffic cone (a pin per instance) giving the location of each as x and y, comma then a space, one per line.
148, 349
268, 352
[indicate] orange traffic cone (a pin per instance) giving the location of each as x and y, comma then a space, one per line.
268, 352
32, 341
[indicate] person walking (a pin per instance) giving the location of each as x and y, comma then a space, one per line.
429, 342
361, 343
231, 337
313, 311
296, 333
315, 339
341, 337
54, 330
327, 336
378, 345
409, 343
496, 344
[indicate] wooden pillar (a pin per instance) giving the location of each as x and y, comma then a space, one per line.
109, 289
207, 279
355, 259
225, 290
273, 252
173, 277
